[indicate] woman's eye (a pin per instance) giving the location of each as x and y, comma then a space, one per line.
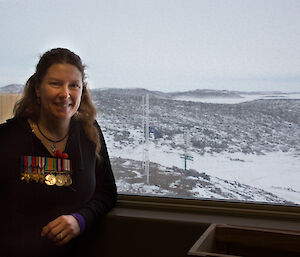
54, 83
75, 85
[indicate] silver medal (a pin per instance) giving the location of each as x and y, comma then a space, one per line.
68, 180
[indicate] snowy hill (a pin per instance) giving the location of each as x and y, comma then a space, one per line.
133, 92
12, 88
255, 127
204, 93
230, 142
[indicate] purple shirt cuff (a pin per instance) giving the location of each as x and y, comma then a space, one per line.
80, 220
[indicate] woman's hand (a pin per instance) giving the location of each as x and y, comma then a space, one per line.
62, 229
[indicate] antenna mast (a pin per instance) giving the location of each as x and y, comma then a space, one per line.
146, 135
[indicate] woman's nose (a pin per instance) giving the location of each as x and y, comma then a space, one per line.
64, 92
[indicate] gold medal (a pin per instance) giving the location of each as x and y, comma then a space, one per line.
27, 177
35, 177
50, 180
60, 180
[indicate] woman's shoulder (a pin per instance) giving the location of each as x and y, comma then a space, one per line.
8, 124
11, 124
7, 131
80, 124
77, 127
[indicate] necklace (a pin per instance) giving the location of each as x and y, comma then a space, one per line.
54, 142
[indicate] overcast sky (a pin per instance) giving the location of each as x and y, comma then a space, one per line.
166, 45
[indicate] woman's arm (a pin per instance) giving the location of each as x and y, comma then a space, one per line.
105, 195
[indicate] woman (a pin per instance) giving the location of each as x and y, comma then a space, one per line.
56, 177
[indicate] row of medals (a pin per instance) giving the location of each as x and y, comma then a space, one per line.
49, 179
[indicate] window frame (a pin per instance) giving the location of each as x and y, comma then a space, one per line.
212, 207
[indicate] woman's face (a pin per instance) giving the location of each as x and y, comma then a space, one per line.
60, 91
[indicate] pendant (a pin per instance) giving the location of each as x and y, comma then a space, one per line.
54, 148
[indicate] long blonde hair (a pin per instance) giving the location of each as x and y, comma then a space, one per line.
29, 107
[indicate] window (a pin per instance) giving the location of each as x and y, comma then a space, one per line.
221, 78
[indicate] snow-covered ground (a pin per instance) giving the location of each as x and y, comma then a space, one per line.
276, 172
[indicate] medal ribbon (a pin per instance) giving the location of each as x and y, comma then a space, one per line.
29, 164
46, 164
54, 167
58, 164
66, 164
25, 163
33, 158
41, 162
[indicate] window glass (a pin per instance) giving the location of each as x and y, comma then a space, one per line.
196, 99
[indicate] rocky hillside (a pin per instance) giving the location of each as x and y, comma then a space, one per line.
252, 127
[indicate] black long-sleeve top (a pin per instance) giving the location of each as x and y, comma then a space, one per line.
26, 207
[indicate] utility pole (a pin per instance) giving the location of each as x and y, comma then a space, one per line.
146, 161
